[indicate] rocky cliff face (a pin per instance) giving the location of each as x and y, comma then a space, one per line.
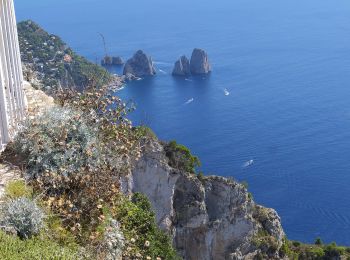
199, 62
139, 65
208, 218
182, 67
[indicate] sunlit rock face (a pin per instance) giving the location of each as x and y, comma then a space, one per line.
209, 218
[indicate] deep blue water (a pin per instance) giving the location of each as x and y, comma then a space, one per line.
286, 65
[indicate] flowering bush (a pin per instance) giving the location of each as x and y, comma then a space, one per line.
57, 143
75, 154
23, 215
143, 236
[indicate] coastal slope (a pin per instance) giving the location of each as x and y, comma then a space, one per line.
50, 64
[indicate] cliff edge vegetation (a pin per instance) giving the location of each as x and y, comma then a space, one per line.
94, 186
50, 64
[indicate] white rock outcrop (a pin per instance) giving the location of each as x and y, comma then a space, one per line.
209, 219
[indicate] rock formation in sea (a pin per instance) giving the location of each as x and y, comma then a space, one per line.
139, 65
199, 62
208, 218
117, 61
108, 60
182, 67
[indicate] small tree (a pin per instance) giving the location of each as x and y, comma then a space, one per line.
318, 241
180, 157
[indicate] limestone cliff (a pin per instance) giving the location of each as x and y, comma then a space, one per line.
209, 218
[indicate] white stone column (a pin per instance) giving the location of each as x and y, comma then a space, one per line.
12, 98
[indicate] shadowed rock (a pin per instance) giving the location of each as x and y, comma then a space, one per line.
108, 60
182, 67
199, 62
117, 61
139, 65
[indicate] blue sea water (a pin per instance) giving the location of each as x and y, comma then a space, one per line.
286, 65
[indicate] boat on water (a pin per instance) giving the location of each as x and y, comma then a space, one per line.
248, 163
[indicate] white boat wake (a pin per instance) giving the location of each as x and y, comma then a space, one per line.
162, 63
189, 101
190, 80
248, 163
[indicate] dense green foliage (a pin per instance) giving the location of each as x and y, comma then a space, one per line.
144, 131
180, 157
36, 248
139, 226
17, 189
54, 63
299, 251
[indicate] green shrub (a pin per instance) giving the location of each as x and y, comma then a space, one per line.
332, 250
18, 188
201, 176
267, 244
33, 249
296, 243
144, 131
180, 157
138, 224
315, 253
318, 241
245, 184
56, 232
250, 196
22, 215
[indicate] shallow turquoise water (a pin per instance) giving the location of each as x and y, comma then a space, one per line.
286, 65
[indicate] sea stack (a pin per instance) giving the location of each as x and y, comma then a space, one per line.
106, 61
117, 61
182, 67
140, 65
199, 62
